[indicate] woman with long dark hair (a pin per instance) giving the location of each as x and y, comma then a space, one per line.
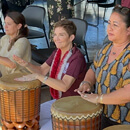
14, 42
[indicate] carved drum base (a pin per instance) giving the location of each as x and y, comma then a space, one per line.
28, 125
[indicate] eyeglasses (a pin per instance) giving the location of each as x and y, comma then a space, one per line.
123, 10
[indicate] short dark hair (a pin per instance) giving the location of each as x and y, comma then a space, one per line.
69, 26
125, 12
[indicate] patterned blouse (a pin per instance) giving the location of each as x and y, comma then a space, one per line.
110, 77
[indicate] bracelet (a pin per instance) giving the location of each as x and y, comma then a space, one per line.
85, 82
97, 100
101, 99
45, 78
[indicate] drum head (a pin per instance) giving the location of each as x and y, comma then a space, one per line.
8, 83
118, 127
75, 106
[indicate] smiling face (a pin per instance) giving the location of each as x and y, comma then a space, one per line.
11, 28
117, 30
62, 39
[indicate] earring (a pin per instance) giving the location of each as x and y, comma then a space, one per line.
18, 32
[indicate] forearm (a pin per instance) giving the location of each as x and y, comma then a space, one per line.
54, 83
33, 68
87, 85
90, 77
119, 96
43, 69
7, 62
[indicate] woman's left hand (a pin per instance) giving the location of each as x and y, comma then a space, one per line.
20, 61
94, 98
29, 77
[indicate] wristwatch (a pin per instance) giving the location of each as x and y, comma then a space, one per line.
45, 78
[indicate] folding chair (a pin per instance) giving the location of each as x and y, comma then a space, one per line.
35, 16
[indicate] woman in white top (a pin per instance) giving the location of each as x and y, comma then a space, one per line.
14, 42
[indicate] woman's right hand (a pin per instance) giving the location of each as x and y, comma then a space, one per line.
29, 77
84, 87
20, 61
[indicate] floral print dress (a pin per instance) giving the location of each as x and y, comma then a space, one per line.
57, 10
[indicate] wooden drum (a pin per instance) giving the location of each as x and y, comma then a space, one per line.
118, 127
75, 113
19, 103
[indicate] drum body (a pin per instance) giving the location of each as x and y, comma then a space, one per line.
19, 102
118, 127
75, 113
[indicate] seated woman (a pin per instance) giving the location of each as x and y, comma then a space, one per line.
66, 67
14, 43
110, 72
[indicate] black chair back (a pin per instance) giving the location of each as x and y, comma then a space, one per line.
35, 16
80, 34
96, 1
107, 4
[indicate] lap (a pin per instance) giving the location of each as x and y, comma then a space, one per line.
45, 115
106, 122
47, 125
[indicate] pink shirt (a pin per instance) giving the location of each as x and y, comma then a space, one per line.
125, 3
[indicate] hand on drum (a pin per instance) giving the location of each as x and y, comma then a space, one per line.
84, 87
94, 98
29, 77
20, 61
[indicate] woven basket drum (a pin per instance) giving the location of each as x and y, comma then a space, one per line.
19, 103
75, 113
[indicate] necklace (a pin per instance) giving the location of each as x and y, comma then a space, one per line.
113, 53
